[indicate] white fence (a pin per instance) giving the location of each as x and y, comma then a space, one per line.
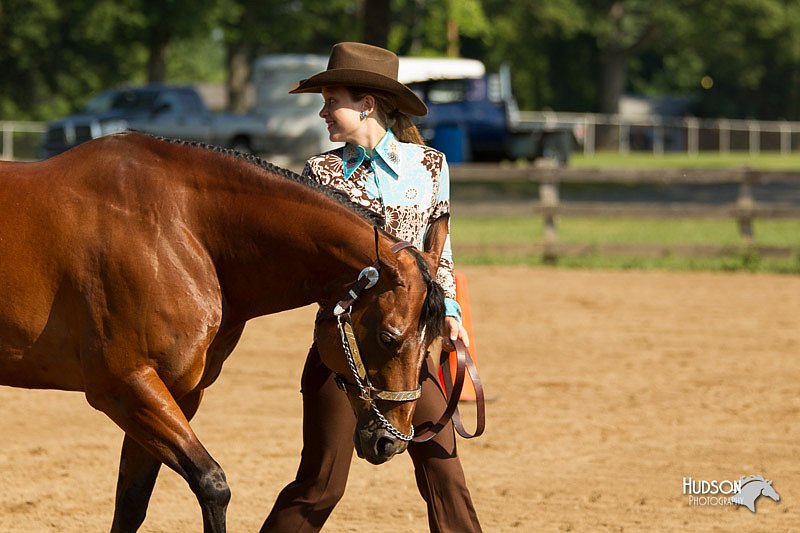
20, 140
662, 134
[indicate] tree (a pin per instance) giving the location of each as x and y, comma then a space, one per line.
54, 55
625, 28
750, 51
376, 22
255, 27
161, 22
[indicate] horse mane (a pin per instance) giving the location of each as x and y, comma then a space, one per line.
371, 217
745, 480
432, 315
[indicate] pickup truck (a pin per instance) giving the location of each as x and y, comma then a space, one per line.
474, 117
176, 112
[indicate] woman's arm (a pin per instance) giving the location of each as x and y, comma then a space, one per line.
445, 273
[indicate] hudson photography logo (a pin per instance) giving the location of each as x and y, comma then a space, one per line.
743, 491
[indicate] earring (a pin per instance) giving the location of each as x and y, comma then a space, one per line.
363, 115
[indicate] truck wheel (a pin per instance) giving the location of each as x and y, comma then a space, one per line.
242, 144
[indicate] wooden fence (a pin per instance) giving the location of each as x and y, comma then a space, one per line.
744, 210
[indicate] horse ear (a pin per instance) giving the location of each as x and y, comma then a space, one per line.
435, 239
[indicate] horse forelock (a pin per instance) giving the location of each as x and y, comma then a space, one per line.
338, 196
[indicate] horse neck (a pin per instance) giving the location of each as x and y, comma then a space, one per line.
282, 245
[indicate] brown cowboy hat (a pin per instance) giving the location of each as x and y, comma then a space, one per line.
367, 66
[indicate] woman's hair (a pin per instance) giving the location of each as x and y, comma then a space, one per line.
403, 128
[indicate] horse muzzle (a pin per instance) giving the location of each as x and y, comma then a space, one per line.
375, 443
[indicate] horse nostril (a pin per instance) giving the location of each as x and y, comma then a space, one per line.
384, 446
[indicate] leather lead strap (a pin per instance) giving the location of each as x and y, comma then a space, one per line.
401, 245
453, 393
480, 401
377, 251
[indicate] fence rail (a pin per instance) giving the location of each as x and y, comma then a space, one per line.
20, 140
595, 131
744, 210
658, 134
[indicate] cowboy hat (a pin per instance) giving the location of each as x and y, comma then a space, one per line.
367, 66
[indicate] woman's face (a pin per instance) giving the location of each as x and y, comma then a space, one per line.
341, 114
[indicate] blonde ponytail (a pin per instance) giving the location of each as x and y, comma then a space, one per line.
404, 129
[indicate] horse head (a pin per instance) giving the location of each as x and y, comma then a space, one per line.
768, 490
376, 342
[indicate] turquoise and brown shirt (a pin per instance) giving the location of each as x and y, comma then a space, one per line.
408, 184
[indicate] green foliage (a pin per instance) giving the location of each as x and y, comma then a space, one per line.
198, 58
54, 54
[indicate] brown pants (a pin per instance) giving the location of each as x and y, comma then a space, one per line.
328, 426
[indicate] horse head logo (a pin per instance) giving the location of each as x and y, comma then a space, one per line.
751, 488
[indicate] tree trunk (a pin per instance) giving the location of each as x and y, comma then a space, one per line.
376, 22
613, 56
157, 62
238, 63
612, 80
453, 42
451, 29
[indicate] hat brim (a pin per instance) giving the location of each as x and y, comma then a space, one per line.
407, 100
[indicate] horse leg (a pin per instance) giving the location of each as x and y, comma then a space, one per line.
138, 470
143, 407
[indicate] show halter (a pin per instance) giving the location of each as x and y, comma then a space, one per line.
363, 387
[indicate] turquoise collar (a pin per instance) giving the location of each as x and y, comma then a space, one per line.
387, 150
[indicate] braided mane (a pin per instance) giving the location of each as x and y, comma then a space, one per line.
432, 316
372, 217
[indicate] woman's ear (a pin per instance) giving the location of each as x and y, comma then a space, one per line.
435, 238
369, 103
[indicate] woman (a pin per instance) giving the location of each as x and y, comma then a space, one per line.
385, 167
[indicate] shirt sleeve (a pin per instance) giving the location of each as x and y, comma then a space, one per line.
308, 173
444, 274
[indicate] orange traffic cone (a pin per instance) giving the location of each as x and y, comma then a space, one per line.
462, 297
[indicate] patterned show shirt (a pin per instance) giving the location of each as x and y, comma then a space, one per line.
408, 184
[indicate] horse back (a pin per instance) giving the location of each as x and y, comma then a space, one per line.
98, 246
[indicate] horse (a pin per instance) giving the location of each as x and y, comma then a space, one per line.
751, 488
131, 264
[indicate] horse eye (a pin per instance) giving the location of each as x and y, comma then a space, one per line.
386, 338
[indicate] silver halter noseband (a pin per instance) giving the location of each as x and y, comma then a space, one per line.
367, 278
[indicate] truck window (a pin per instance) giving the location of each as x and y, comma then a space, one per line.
128, 100
190, 104
452, 91
447, 91
172, 100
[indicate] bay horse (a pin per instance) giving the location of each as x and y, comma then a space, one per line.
131, 264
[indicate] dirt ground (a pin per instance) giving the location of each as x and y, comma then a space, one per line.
608, 389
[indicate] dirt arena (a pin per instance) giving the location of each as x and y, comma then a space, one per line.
608, 389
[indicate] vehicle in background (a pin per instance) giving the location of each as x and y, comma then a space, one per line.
176, 112
294, 130
473, 116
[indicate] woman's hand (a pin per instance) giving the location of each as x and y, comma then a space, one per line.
453, 329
